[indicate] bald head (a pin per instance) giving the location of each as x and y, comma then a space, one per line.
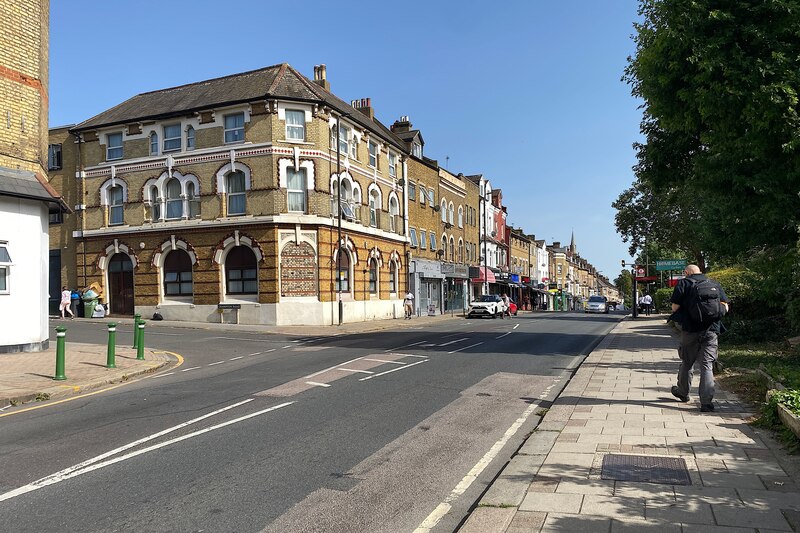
692, 269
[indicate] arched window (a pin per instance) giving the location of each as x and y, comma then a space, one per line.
154, 143
450, 213
116, 213
444, 246
460, 251
190, 138
452, 249
296, 189
193, 200
155, 204
241, 271
343, 268
393, 277
443, 210
373, 276
394, 211
235, 188
460, 217
374, 206
174, 200
178, 274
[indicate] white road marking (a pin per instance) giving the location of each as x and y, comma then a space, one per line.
271, 350
331, 368
151, 332
317, 384
162, 375
466, 347
393, 370
217, 363
59, 476
384, 361
516, 326
75, 473
455, 341
503, 335
443, 508
188, 369
354, 370
412, 355
404, 346
259, 339
287, 346
235, 358
252, 354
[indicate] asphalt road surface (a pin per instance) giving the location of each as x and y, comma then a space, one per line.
397, 430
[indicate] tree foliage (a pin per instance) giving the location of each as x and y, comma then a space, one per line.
718, 175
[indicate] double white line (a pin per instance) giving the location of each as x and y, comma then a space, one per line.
98, 462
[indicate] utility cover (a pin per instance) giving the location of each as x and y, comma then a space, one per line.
646, 468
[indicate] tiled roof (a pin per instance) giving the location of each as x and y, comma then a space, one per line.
25, 184
277, 81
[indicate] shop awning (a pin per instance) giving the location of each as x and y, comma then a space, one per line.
484, 274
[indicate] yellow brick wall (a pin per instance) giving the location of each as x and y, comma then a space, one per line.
23, 84
422, 216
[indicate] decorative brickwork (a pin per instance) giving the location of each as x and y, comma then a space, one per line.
298, 270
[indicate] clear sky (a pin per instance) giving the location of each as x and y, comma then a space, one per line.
526, 92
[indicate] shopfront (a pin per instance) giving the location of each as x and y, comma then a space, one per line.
455, 288
426, 284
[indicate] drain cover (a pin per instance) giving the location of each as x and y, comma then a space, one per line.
667, 470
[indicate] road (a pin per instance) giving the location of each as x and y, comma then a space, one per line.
397, 430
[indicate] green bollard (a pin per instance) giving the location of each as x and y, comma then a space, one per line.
61, 333
136, 319
112, 341
140, 346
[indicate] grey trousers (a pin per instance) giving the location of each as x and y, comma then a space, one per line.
698, 349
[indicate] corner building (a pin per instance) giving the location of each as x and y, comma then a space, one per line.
236, 191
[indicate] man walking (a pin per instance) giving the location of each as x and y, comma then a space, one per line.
698, 304
408, 304
647, 303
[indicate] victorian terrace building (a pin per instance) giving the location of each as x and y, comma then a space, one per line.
236, 191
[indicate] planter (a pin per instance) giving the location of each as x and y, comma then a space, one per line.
789, 419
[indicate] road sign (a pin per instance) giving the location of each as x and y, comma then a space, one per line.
639, 271
671, 264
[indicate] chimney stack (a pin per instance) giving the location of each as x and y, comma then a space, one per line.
365, 106
402, 125
321, 77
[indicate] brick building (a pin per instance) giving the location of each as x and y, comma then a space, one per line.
231, 191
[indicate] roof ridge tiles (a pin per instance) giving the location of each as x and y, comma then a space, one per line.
236, 75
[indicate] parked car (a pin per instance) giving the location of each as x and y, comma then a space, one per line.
487, 305
596, 304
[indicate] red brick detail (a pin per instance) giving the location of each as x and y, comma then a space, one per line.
24, 79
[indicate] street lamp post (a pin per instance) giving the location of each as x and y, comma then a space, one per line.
339, 219
485, 245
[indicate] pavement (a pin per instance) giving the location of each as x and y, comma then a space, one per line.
615, 451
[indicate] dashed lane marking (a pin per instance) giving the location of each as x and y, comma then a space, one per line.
454, 341
384, 361
394, 370
188, 369
317, 384
354, 370
467, 347
217, 363
503, 335
405, 346
235, 358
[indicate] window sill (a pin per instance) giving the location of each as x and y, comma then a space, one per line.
295, 141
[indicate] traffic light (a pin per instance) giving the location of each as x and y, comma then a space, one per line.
623, 263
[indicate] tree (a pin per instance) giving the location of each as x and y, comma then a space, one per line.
720, 81
624, 283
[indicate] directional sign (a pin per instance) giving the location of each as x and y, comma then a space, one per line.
671, 264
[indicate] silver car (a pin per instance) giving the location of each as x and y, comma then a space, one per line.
596, 304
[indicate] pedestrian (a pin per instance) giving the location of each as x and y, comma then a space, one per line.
408, 304
698, 304
506, 304
525, 302
66, 296
647, 303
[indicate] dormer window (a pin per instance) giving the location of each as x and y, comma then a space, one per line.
416, 150
113, 146
172, 137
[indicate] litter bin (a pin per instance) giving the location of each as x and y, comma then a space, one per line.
89, 302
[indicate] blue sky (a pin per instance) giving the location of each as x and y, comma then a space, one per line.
527, 93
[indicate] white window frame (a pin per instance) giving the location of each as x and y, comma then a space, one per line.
374, 154
290, 192
229, 194
295, 128
433, 241
5, 268
176, 136
460, 217
119, 147
234, 130
116, 207
412, 234
431, 198
423, 195
153, 143
392, 165
450, 213
416, 150
443, 209
373, 285
54, 157
168, 200
423, 240
412, 191
374, 206
190, 138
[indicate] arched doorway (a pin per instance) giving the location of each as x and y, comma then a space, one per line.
120, 284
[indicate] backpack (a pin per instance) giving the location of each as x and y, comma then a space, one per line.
702, 302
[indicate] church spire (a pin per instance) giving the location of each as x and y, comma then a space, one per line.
572, 247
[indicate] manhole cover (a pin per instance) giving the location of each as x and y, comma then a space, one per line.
667, 470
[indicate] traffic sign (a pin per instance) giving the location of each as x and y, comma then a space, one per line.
671, 264
640, 271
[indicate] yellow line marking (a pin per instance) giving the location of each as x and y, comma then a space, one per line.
56, 402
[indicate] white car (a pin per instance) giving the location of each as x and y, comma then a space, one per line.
487, 305
596, 304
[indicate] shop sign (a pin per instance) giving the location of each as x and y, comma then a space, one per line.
452, 270
428, 269
526, 279
514, 278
